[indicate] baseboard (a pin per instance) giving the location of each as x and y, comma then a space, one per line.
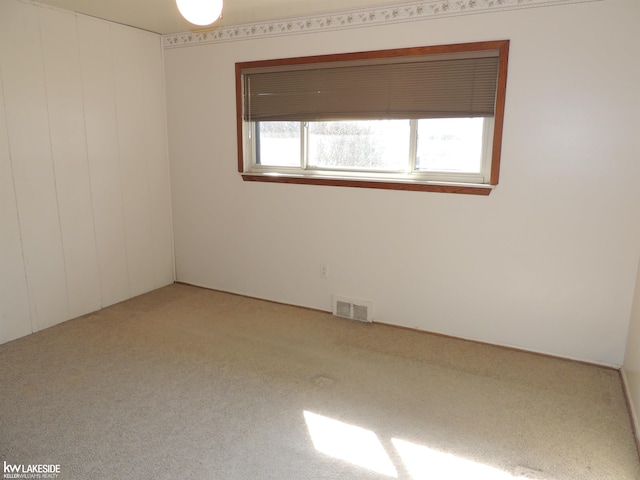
635, 423
428, 332
589, 363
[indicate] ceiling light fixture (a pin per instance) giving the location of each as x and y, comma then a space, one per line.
200, 12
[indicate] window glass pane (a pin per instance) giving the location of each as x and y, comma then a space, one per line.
365, 144
278, 144
450, 144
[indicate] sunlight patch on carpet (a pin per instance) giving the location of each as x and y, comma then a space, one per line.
426, 463
363, 448
352, 444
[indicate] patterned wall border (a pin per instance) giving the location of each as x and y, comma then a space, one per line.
398, 13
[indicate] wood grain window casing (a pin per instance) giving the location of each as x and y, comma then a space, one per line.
373, 57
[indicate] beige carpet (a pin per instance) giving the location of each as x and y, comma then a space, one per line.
187, 383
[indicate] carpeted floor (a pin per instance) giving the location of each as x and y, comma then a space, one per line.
187, 383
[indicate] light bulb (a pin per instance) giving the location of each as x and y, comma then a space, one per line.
200, 12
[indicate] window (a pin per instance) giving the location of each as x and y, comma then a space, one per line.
424, 118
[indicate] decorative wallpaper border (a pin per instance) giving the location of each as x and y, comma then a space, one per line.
398, 13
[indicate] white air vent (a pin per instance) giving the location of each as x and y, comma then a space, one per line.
353, 309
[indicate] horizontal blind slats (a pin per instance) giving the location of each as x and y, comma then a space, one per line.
443, 88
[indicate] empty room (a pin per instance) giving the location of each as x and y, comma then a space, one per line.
320, 240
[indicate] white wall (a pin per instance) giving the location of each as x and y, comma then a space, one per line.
85, 191
631, 367
546, 263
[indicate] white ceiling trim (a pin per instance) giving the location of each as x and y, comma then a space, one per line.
398, 13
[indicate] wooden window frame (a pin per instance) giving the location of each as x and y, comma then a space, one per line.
502, 46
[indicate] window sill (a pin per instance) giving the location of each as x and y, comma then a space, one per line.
441, 187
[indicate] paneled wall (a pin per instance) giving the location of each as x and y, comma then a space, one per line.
85, 210
631, 366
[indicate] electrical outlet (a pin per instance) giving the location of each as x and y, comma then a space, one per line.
324, 271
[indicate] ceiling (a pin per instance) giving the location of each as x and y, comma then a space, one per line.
162, 16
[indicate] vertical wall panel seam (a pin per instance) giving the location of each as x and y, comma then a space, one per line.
118, 127
53, 163
86, 145
15, 199
147, 160
167, 157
